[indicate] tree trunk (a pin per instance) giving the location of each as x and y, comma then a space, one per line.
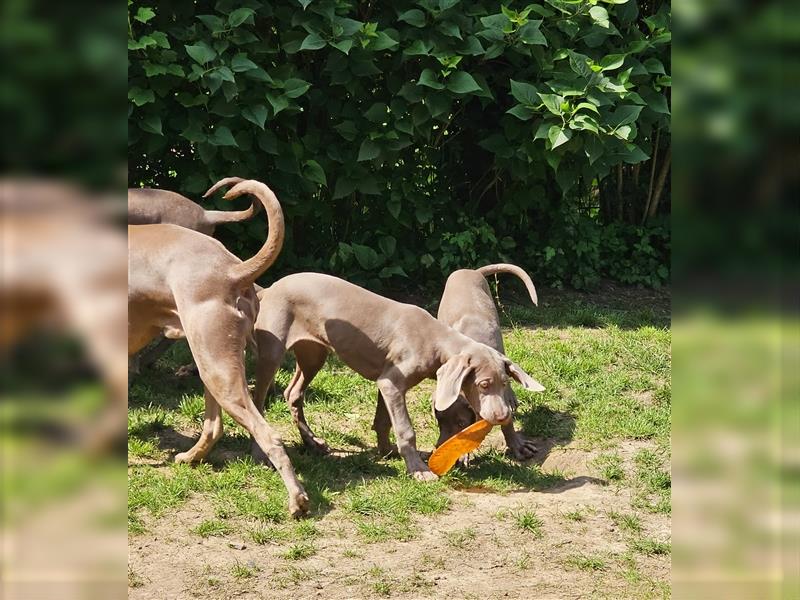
662, 179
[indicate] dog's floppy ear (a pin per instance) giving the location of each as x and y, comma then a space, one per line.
449, 379
521, 377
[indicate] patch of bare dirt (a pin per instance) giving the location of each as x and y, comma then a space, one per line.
475, 550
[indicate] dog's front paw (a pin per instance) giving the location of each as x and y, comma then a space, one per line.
317, 446
523, 450
298, 505
426, 475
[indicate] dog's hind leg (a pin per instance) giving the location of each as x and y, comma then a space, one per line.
310, 359
381, 425
269, 354
212, 431
217, 341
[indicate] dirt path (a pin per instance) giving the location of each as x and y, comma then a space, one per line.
476, 549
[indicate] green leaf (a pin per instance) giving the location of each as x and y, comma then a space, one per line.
312, 42
241, 63
611, 62
658, 103
376, 113
239, 16
294, 88
347, 130
418, 48
624, 132
369, 150
304, 3
582, 121
383, 42
497, 21
213, 22
594, 149
144, 14
624, 115
194, 132
428, 79
313, 171
151, 124
226, 74
423, 213
201, 52
523, 113
552, 102
140, 97
524, 93
438, 104
530, 34
445, 4
222, 136
450, 29
600, 16
256, 114
541, 132
634, 154
413, 17
394, 205
387, 272
366, 257
161, 39
497, 144
558, 136
472, 47
268, 142
653, 65
343, 45
387, 244
278, 102
587, 106
462, 82
344, 187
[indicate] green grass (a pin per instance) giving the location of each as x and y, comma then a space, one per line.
653, 482
300, 551
461, 538
610, 467
380, 582
587, 562
575, 515
650, 547
606, 370
527, 520
240, 571
626, 522
212, 528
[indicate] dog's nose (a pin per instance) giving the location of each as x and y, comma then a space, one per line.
498, 415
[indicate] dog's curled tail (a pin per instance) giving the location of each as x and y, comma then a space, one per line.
215, 217
245, 273
514, 270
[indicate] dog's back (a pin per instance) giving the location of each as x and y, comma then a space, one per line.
467, 306
148, 206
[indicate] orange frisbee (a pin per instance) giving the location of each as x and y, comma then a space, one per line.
465, 441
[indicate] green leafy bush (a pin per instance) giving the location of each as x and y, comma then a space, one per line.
409, 139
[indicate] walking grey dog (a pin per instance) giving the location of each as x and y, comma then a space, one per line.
396, 345
467, 306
